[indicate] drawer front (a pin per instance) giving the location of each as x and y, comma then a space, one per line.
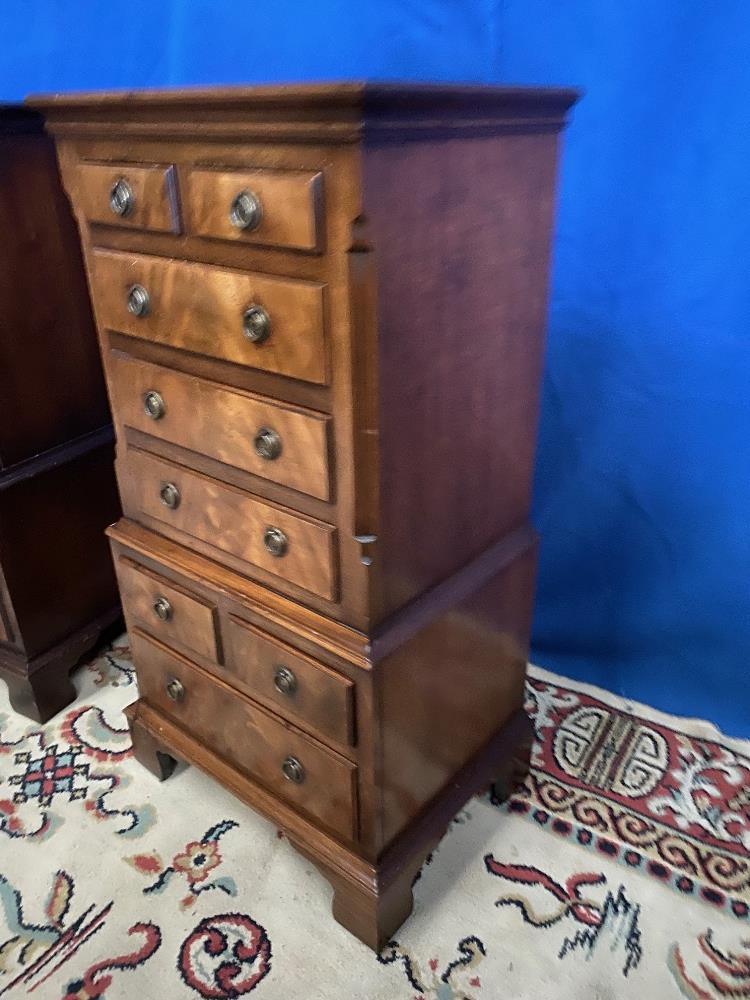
275, 324
235, 522
280, 443
167, 610
246, 736
291, 683
268, 207
121, 194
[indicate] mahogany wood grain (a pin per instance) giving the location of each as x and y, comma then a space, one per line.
340, 112
51, 384
57, 487
60, 596
321, 700
249, 737
55, 557
266, 489
154, 189
462, 235
318, 631
291, 624
374, 911
40, 686
233, 521
429, 272
213, 420
148, 750
9, 629
445, 691
306, 395
191, 621
370, 900
291, 203
41, 693
339, 168
200, 309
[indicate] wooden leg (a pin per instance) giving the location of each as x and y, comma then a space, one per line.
40, 687
374, 913
373, 906
516, 767
147, 750
42, 694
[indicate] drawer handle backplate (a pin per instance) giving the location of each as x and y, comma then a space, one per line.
284, 680
275, 542
256, 324
153, 404
138, 301
121, 198
162, 609
170, 495
293, 770
175, 690
267, 444
246, 211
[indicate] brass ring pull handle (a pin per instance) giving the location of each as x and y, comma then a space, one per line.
293, 770
256, 324
275, 542
284, 680
170, 495
138, 301
153, 404
175, 690
246, 211
267, 444
162, 609
121, 198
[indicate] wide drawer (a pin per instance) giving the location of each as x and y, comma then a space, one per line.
294, 685
168, 610
136, 197
317, 781
290, 546
284, 444
267, 207
275, 324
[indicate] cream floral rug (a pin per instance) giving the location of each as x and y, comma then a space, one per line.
621, 869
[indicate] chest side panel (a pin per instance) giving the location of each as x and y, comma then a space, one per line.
461, 233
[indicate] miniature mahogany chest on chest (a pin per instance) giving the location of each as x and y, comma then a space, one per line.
321, 312
57, 486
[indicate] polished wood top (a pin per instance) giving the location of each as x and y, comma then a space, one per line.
340, 111
364, 94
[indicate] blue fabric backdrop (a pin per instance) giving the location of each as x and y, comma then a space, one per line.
643, 487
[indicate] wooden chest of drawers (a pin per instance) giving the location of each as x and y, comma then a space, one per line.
321, 312
57, 486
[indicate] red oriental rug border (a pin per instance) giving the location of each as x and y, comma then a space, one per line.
666, 796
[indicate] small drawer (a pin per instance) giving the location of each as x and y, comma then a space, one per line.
136, 197
275, 324
280, 208
167, 610
291, 683
291, 546
315, 780
284, 444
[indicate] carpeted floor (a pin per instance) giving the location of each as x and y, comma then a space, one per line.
622, 869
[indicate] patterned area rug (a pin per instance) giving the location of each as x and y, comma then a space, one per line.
619, 870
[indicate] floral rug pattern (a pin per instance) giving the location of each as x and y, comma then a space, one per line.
113, 885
